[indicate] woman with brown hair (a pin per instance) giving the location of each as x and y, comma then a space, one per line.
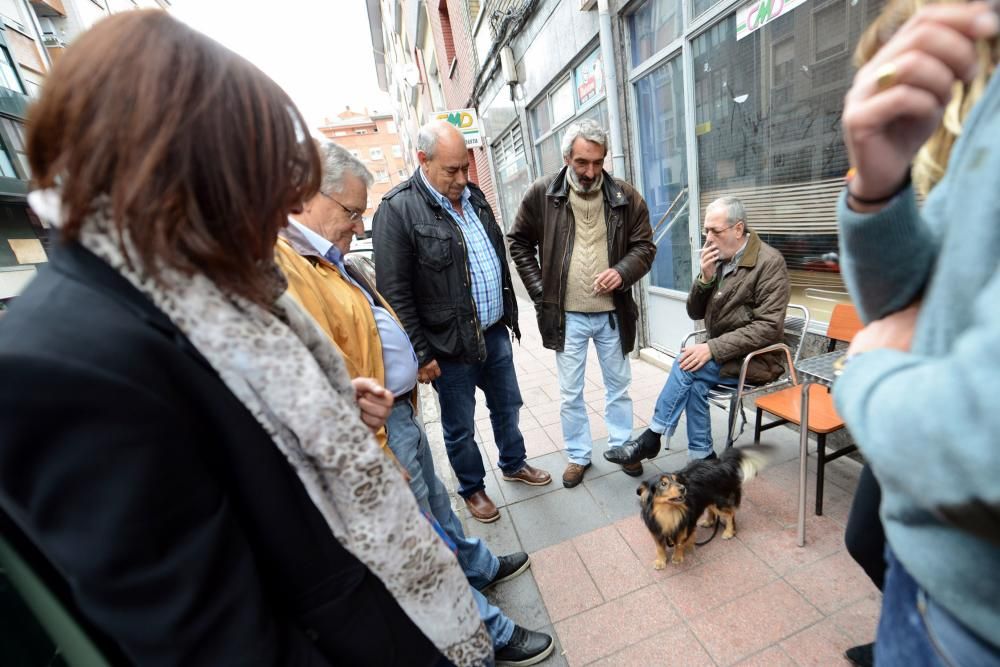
178, 440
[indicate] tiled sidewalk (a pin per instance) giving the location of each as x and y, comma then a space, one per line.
755, 600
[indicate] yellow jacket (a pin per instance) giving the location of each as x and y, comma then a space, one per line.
338, 306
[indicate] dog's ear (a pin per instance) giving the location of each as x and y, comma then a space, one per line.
642, 490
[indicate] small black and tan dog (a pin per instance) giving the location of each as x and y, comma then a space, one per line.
672, 502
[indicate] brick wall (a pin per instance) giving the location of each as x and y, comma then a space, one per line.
450, 24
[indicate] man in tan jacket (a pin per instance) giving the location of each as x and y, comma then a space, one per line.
580, 240
365, 329
741, 293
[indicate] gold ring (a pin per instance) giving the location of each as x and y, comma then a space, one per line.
885, 76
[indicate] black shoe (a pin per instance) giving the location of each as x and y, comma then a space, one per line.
862, 656
511, 566
526, 647
646, 446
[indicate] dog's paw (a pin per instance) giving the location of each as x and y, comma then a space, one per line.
706, 522
678, 559
659, 564
728, 534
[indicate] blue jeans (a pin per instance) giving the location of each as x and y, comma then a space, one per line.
915, 631
688, 391
617, 374
456, 388
408, 442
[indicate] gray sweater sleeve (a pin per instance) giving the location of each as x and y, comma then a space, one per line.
885, 257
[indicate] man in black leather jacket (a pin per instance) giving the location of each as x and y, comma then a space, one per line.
442, 266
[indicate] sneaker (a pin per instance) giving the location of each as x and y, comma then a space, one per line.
862, 656
511, 566
573, 474
526, 647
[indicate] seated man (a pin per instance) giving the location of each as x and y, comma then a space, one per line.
741, 293
374, 344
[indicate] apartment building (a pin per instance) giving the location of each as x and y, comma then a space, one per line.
33, 36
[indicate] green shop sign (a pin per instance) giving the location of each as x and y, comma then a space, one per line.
757, 13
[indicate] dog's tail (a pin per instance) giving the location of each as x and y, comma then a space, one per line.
751, 460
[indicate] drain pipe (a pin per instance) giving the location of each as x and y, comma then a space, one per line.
611, 88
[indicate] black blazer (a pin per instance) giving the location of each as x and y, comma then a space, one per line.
177, 527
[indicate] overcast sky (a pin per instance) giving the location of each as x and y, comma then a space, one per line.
319, 51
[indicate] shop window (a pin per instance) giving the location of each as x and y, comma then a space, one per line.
659, 99
652, 27
768, 129
579, 96
513, 176
699, 7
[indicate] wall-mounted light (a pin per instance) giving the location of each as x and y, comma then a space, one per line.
508, 66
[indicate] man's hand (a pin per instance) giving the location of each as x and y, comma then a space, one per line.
898, 98
709, 260
428, 372
374, 400
607, 281
694, 357
891, 332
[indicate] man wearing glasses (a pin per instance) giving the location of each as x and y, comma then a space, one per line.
741, 293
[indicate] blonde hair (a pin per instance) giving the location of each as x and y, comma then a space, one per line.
932, 159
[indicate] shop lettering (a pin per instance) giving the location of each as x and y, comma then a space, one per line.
461, 119
760, 12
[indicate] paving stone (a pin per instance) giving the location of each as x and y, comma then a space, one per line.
537, 442
615, 625
833, 582
779, 547
612, 564
735, 572
634, 532
515, 492
615, 493
500, 536
520, 600
677, 646
564, 584
772, 656
554, 517
753, 622
825, 642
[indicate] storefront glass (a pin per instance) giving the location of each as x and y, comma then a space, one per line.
653, 26
659, 99
768, 106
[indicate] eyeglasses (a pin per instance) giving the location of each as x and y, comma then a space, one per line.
718, 232
352, 215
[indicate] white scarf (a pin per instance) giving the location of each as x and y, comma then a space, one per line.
282, 367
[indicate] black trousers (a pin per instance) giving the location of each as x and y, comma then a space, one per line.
864, 535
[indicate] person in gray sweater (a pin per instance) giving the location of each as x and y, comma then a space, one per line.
915, 390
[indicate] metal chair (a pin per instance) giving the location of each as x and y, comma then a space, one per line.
731, 398
786, 405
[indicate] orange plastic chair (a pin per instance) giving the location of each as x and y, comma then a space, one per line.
786, 404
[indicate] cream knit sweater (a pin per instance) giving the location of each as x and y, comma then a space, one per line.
590, 253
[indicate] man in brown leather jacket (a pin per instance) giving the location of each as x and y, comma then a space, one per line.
741, 293
593, 242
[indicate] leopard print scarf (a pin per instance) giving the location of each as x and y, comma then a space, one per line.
282, 367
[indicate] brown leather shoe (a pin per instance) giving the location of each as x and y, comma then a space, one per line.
632, 469
573, 474
482, 508
529, 475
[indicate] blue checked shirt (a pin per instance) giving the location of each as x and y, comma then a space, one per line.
484, 265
